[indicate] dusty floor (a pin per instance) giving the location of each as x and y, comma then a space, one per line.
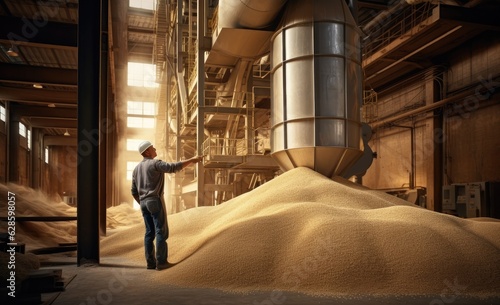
116, 281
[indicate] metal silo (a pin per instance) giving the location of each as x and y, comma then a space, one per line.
316, 87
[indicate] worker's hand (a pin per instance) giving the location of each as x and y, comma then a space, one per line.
197, 159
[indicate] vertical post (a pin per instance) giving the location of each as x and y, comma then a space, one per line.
433, 94
35, 158
13, 144
179, 115
89, 53
103, 117
200, 122
413, 173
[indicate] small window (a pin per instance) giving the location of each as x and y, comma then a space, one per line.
28, 133
130, 168
2, 113
145, 4
47, 155
133, 144
142, 75
22, 129
140, 122
141, 108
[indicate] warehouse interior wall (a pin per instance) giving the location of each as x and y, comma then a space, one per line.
463, 133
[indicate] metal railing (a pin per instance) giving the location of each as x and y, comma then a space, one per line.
217, 146
409, 19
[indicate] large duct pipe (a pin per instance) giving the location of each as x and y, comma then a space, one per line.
316, 87
249, 14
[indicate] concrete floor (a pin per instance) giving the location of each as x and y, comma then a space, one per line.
116, 281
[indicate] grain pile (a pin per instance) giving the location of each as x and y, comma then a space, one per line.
304, 232
30, 202
35, 235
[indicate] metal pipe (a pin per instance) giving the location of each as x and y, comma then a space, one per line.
252, 14
353, 6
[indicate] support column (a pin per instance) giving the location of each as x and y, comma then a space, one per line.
13, 145
103, 118
35, 159
200, 121
89, 53
435, 166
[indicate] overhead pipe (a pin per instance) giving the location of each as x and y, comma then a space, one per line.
250, 14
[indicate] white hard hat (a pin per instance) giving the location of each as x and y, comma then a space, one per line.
143, 146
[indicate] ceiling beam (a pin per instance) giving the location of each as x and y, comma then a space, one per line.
59, 141
44, 112
23, 31
63, 98
35, 74
53, 123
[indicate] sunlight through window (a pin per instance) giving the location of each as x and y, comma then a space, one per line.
142, 75
130, 168
145, 4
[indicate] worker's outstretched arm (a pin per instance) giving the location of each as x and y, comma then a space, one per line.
193, 160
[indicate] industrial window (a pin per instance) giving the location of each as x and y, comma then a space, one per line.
142, 75
133, 144
130, 168
2, 113
141, 114
22, 129
46, 155
141, 108
28, 138
145, 4
140, 122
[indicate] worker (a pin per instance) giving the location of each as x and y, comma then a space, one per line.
147, 189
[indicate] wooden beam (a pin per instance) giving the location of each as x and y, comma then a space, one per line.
44, 112
36, 74
59, 141
38, 96
25, 31
53, 123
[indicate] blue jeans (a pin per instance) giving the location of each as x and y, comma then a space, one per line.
155, 219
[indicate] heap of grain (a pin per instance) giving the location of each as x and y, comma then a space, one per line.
36, 235
30, 202
304, 232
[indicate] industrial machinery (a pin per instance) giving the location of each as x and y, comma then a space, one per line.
316, 87
475, 199
265, 86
